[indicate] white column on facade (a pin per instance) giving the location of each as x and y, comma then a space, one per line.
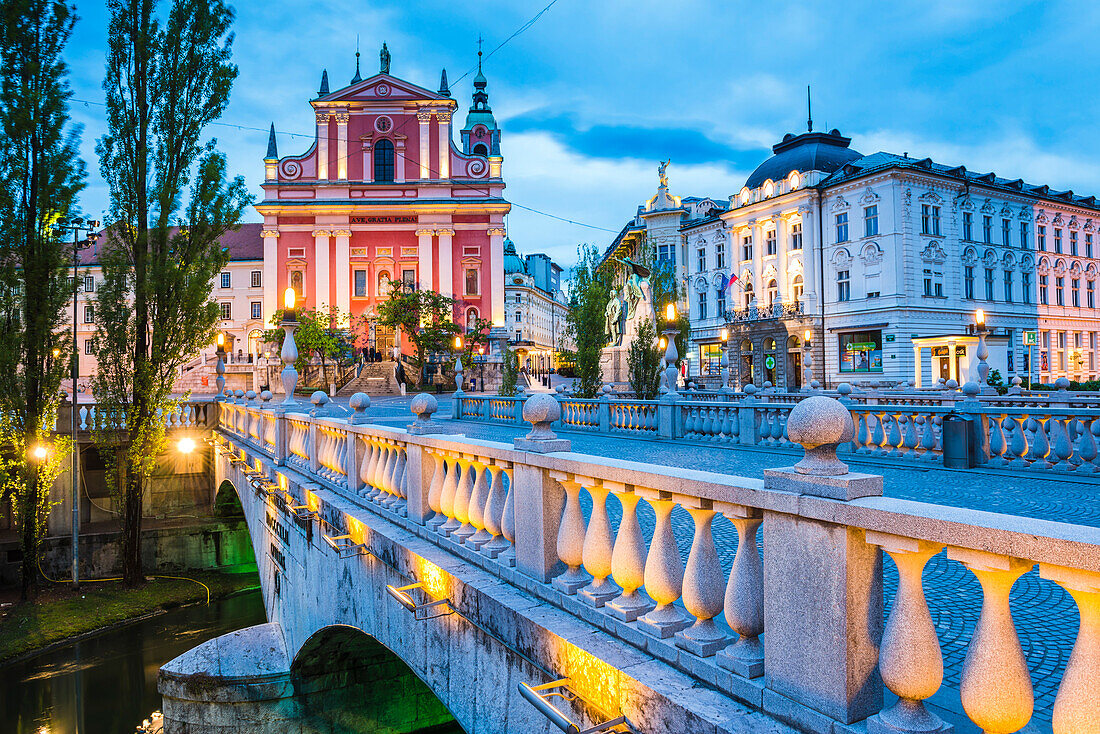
756, 227
272, 302
781, 245
443, 119
446, 262
496, 268
342, 145
424, 259
399, 161
425, 118
342, 274
368, 161
320, 266
917, 365
811, 281
322, 146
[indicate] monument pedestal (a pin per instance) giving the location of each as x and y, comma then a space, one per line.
614, 365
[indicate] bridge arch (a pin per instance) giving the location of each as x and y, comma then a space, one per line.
227, 501
344, 679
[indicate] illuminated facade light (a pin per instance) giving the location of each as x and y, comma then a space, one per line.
538, 697
422, 610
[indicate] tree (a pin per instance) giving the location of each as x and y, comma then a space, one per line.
424, 318
317, 335
40, 177
667, 288
586, 321
165, 83
644, 362
509, 372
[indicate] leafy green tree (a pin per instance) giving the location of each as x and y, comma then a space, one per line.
585, 322
40, 177
165, 82
318, 334
424, 318
644, 362
509, 373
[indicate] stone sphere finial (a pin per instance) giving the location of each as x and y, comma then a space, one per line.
250, 395
749, 389
1016, 381
423, 407
844, 388
1062, 384
815, 384
606, 389
266, 395
319, 398
541, 410
952, 384
239, 394
820, 424
767, 384
359, 402
971, 389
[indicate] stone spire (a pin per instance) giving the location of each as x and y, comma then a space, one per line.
324, 84
444, 90
272, 151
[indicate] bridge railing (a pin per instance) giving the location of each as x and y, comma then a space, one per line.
197, 413
793, 626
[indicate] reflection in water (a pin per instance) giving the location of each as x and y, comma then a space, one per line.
109, 683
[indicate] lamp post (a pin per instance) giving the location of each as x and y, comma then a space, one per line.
458, 366
481, 367
671, 357
807, 361
983, 352
725, 361
219, 367
289, 355
77, 226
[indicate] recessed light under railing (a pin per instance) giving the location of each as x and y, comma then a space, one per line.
345, 547
419, 611
538, 696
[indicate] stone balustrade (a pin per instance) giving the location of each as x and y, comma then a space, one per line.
196, 413
794, 624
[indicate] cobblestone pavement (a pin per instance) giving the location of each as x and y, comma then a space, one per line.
1046, 617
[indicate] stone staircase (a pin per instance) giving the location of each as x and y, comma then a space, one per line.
376, 378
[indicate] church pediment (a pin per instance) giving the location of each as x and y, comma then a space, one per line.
378, 88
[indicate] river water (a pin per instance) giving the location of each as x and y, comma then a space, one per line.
107, 684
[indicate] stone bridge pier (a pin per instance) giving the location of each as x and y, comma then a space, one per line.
525, 588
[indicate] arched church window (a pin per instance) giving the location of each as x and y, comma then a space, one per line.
481, 150
383, 161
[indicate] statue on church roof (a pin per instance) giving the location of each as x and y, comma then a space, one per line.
662, 175
384, 57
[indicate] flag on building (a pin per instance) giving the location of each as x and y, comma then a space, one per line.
730, 282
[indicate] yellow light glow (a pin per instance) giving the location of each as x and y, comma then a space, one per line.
807, 334
288, 298
186, 445
725, 334
979, 317
221, 339
663, 343
481, 350
56, 353
458, 342
432, 580
39, 453
670, 312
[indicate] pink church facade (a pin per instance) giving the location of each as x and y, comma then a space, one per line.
384, 195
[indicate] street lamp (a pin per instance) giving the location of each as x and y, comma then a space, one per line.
983, 352
88, 228
219, 368
725, 361
807, 361
289, 354
186, 445
481, 366
458, 365
671, 357
39, 453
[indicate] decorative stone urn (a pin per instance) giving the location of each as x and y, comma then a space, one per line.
820, 424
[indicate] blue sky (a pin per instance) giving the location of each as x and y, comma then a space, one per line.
594, 93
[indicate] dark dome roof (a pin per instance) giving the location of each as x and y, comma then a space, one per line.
806, 152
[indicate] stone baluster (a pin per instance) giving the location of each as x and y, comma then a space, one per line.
388, 476
446, 492
376, 470
998, 444
893, 440
1019, 443
995, 687
910, 660
863, 436
598, 545
571, 537
628, 562
911, 438
1086, 445
1063, 447
664, 571
463, 492
744, 600
1075, 706
1040, 447
476, 510
398, 480
508, 520
435, 490
703, 586
878, 436
459, 474
494, 514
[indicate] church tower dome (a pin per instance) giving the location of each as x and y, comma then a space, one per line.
480, 136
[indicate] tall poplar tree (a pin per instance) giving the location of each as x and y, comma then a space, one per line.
170, 204
586, 321
40, 177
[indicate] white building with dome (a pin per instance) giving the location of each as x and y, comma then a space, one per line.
535, 308
885, 259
